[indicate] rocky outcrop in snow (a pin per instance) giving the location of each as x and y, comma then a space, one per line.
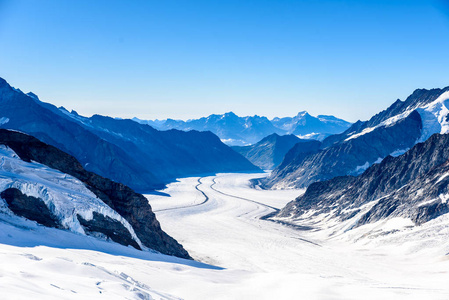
34, 173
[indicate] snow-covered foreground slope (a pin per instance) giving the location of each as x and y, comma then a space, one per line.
37, 262
261, 259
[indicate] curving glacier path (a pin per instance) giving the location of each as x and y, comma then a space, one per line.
219, 222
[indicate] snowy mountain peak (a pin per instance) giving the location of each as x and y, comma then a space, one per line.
302, 114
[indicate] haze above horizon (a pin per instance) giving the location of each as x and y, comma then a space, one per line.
188, 59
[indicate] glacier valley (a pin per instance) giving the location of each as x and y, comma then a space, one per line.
238, 255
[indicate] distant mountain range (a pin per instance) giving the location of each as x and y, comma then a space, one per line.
391, 132
242, 131
122, 150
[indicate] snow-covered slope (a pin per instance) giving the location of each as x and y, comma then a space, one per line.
259, 259
38, 262
434, 116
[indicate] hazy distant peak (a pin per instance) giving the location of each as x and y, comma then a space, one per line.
33, 95
303, 114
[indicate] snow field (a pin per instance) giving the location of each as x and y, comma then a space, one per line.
261, 259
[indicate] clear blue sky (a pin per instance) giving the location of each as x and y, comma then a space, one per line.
186, 59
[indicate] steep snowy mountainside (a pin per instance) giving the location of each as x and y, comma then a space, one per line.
243, 131
419, 99
270, 151
434, 116
413, 186
350, 157
122, 150
37, 178
391, 132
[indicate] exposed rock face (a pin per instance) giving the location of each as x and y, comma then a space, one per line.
109, 227
29, 207
270, 151
351, 156
413, 185
132, 206
122, 150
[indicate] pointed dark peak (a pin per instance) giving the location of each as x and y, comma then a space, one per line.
272, 137
33, 95
73, 112
4, 83
62, 108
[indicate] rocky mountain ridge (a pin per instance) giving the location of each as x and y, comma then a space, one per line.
391, 132
414, 185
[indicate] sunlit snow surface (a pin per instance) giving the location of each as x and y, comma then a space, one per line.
261, 259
